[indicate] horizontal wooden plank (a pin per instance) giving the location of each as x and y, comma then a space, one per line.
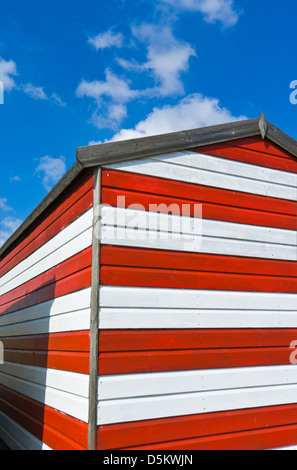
76, 263
67, 361
116, 436
70, 303
56, 379
72, 240
17, 438
182, 318
226, 166
180, 224
42, 421
249, 154
168, 383
72, 205
69, 321
68, 403
145, 258
210, 211
163, 168
150, 340
127, 227
69, 341
180, 279
263, 439
173, 360
144, 408
72, 283
74, 172
253, 144
141, 183
126, 297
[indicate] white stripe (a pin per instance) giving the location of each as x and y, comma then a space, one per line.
187, 243
167, 383
117, 216
154, 308
286, 448
142, 297
180, 233
138, 409
70, 382
67, 403
75, 301
73, 321
74, 238
163, 168
18, 438
117, 318
230, 167
70, 312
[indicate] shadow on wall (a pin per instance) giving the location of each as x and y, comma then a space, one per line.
24, 332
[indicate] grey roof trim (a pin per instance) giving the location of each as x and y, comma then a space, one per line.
112, 152
67, 179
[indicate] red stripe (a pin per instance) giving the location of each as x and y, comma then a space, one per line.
187, 193
155, 268
149, 258
263, 439
209, 211
151, 432
138, 362
72, 275
257, 144
254, 153
61, 360
70, 341
149, 340
73, 204
63, 351
141, 277
56, 429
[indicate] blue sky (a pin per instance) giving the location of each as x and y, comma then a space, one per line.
77, 73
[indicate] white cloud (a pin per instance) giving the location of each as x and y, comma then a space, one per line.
58, 100
106, 40
7, 227
37, 93
95, 142
167, 59
8, 70
4, 206
50, 170
194, 111
15, 178
111, 97
213, 10
116, 88
9, 223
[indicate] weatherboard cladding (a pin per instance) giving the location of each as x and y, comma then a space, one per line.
193, 342
44, 327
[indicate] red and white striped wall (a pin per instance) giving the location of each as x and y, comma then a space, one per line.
196, 314
44, 327
195, 333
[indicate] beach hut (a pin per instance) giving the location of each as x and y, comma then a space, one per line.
149, 301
